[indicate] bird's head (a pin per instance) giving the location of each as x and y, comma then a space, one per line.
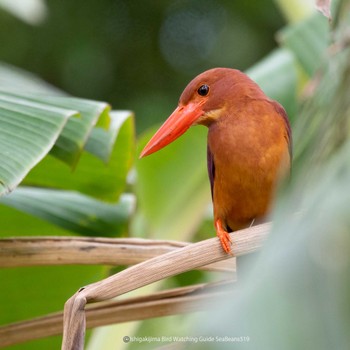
204, 100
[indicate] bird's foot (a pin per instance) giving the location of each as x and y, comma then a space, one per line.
224, 237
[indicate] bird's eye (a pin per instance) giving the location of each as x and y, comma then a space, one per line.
203, 90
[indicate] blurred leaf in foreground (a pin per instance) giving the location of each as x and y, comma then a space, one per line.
294, 294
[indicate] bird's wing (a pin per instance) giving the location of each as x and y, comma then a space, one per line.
211, 168
280, 110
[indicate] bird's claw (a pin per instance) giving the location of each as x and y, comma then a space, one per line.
224, 237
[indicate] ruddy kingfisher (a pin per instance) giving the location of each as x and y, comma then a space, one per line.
249, 144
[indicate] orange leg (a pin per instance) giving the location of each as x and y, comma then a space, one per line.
224, 237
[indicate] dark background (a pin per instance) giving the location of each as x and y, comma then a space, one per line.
138, 55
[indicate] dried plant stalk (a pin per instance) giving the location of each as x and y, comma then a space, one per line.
176, 257
36, 251
165, 303
155, 269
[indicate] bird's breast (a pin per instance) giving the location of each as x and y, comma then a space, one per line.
248, 152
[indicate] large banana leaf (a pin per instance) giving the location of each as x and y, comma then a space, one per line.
73, 137
36, 119
27, 133
102, 169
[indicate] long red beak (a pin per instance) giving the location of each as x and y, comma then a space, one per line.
178, 122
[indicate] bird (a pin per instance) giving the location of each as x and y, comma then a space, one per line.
249, 145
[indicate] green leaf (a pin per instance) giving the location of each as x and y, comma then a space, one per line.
93, 176
101, 141
71, 142
74, 136
28, 131
32, 124
73, 211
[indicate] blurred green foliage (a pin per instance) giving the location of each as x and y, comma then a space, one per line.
138, 55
